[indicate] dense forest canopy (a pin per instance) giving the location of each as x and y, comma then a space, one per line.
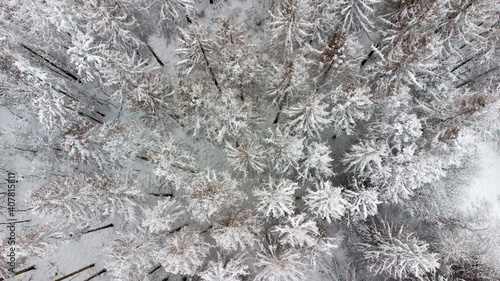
250, 140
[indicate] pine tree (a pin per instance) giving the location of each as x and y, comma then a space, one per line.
276, 197
81, 200
398, 253
150, 91
164, 216
309, 116
246, 156
231, 270
366, 158
338, 59
351, 105
210, 193
111, 23
171, 161
55, 111
30, 241
237, 65
167, 10
129, 256
184, 252
207, 112
277, 263
357, 15
298, 232
286, 150
290, 25
326, 202
288, 81
85, 55
195, 52
317, 162
363, 202
237, 231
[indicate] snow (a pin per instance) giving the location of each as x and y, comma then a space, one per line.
485, 186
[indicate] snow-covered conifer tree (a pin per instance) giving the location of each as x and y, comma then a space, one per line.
237, 64
129, 256
81, 200
231, 270
351, 104
111, 23
171, 161
298, 232
366, 158
213, 114
286, 150
210, 193
363, 202
150, 91
339, 59
86, 55
80, 143
276, 263
290, 26
104, 145
398, 253
236, 231
326, 202
317, 162
276, 197
184, 252
357, 15
246, 156
164, 216
308, 116
403, 132
167, 10
196, 50
31, 241
55, 111
288, 81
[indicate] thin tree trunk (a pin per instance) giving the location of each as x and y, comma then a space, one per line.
178, 229
16, 221
183, 168
462, 64
64, 93
143, 158
22, 271
282, 103
75, 272
51, 63
173, 165
90, 117
162, 194
95, 275
210, 69
99, 228
154, 55
154, 269
207, 229
478, 76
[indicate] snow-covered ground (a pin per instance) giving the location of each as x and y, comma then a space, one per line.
485, 186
